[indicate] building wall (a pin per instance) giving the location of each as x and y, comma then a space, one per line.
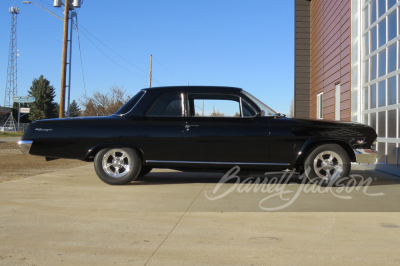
302, 60
330, 58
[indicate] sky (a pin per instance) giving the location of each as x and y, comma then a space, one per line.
238, 43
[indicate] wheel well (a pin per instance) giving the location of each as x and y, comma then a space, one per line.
309, 148
93, 152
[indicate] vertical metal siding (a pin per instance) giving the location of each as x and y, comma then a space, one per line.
330, 56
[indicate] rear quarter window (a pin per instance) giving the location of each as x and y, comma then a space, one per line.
130, 104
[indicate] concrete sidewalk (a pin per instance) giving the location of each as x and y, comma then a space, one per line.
72, 218
9, 139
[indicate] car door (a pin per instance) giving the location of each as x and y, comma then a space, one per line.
161, 134
223, 128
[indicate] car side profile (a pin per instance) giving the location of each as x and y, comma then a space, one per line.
198, 128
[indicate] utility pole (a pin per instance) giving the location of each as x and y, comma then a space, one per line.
150, 72
73, 14
64, 59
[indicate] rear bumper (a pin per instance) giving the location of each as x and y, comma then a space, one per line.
25, 146
366, 155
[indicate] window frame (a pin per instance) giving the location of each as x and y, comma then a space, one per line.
338, 94
220, 93
320, 105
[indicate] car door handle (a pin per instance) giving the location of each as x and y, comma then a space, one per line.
187, 126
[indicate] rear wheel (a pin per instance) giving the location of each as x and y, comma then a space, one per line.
328, 164
117, 166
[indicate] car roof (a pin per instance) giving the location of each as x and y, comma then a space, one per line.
195, 88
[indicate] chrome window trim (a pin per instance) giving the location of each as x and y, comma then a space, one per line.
183, 104
144, 92
255, 111
241, 107
228, 163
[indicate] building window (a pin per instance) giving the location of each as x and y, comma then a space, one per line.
380, 76
320, 106
337, 101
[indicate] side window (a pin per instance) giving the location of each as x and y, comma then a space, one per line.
248, 111
167, 105
213, 105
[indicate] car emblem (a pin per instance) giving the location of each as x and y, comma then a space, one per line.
43, 129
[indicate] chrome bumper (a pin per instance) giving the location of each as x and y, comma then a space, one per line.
25, 146
366, 155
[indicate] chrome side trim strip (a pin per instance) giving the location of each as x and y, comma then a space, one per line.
229, 163
25, 146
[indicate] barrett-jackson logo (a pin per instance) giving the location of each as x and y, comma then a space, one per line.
44, 129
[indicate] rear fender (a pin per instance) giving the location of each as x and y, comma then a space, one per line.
91, 153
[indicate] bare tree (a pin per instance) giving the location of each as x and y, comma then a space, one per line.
102, 104
216, 113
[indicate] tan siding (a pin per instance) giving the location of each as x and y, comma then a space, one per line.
330, 55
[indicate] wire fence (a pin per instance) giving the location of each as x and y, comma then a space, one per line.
22, 127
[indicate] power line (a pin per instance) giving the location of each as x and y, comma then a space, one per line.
80, 54
83, 29
168, 70
111, 58
113, 50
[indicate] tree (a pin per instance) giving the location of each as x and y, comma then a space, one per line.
102, 104
216, 113
44, 106
74, 109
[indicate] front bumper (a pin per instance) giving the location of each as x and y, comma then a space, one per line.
366, 155
25, 146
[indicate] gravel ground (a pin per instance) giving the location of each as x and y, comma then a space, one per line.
15, 165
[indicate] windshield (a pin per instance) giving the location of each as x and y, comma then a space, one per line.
267, 111
130, 104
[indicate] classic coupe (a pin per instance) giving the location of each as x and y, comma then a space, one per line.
198, 128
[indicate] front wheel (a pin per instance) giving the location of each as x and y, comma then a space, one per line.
117, 166
328, 164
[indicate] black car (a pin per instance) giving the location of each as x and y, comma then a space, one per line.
197, 128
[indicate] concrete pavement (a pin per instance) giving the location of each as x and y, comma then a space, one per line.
71, 218
9, 139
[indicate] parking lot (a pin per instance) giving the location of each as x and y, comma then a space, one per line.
70, 217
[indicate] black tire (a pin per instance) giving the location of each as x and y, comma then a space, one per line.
327, 165
117, 166
145, 170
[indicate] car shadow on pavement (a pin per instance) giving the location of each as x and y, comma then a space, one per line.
169, 178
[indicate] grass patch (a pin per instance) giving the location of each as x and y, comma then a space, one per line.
11, 134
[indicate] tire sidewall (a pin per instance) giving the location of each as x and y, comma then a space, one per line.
309, 165
132, 175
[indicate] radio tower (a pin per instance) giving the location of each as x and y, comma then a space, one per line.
11, 83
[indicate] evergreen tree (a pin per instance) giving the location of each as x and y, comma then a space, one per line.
74, 109
44, 106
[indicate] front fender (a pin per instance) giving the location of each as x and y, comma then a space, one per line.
312, 143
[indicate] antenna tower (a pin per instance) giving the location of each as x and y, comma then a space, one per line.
11, 83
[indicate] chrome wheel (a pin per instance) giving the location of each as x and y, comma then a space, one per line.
328, 165
116, 163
